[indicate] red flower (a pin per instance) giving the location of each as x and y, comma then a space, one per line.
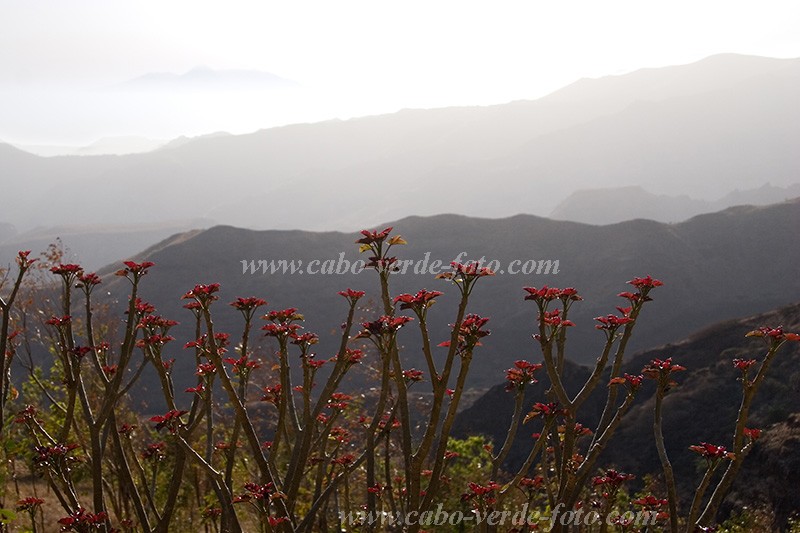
374, 237
66, 270
466, 271
645, 283
752, 433
286, 315
88, 280
543, 409
554, 319
712, 452
171, 419
59, 321
613, 478
142, 307
248, 304
776, 335
744, 364
22, 259
385, 325
650, 501
351, 356
137, 269
30, 504
26, 415
658, 369
81, 520
339, 401
521, 374
154, 340
126, 429
344, 460
206, 369
545, 294
632, 382
612, 322
243, 365
470, 333
413, 375
204, 294
419, 302
272, 394
155, 451
351, 295
533, 483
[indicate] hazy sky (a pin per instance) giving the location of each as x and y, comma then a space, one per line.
60, 60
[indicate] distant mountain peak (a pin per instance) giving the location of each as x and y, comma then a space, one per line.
204, 77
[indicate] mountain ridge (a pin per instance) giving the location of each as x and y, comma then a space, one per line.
484, 161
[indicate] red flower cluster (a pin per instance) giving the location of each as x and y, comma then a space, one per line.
470, 333
613, 478
413, 375
374, 237
242, 365
68, 270
30, 504
752, 433
521, 374
352, 296
547, 294
351, 356
419, 303
554, 319
137, 269
774, 334
482, 492
385, 325
156, 451
22, 259
657, 368
744, 364
59, 321
272, 394
81, 520
55, 455
466, 272
632, 382
248, 304
171, 419
339, 401
712, 452
87, 281
344, 460
203, 294
544, 409
28, 414
611, 323
255, 492
645, 283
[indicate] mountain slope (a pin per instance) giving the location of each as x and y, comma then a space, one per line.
716, 266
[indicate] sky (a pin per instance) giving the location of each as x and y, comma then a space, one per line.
64, 65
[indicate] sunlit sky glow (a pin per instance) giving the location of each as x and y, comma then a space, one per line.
58, 60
